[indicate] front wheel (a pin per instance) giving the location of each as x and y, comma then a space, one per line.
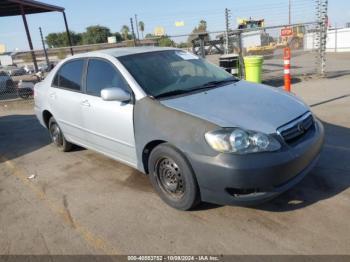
57, 136
173, 178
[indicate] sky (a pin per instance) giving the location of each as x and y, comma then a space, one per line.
115, 13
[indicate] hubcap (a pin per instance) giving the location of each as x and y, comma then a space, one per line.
56, 135
169, 178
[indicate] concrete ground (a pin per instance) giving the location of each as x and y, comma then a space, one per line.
84, 203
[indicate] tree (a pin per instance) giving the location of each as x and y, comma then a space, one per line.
165, 41
125, 32
96, 34
61, 54
201, 28
150, 36
60, 39
142, 27
182, 45
118, 36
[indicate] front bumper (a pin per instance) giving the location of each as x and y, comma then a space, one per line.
255, 178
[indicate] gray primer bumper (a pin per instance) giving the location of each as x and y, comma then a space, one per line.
270, 173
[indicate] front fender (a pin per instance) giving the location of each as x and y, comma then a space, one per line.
154, 121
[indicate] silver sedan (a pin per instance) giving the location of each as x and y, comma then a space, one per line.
199, 133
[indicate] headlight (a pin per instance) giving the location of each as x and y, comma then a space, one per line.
236, 140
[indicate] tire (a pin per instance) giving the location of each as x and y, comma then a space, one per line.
57, 136
172, 177
24, 93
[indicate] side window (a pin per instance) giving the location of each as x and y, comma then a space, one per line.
69, 75
102, 75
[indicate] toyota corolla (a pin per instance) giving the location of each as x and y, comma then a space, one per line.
199, 133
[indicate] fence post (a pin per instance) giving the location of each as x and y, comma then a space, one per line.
227, 23
201, 46
322, 10
336, 40
241, 60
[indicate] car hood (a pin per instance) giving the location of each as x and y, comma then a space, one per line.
242, 104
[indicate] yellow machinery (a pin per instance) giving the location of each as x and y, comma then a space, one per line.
245, 23
259, 43
296, 40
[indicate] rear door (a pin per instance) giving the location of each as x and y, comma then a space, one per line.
108, 124
65, 96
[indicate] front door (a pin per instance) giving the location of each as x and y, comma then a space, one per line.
108, 124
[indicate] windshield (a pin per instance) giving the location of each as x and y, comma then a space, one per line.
173, 72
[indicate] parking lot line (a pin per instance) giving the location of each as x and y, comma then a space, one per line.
89, 237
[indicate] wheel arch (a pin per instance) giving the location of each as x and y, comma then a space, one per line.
146, 152
46, 117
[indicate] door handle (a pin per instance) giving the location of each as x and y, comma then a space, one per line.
85, 103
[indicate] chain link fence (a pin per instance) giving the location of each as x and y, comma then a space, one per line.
266, 42
251, 37
17, 80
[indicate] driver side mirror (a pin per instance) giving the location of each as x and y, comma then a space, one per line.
115, 94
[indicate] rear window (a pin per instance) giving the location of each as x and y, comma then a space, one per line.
69, 75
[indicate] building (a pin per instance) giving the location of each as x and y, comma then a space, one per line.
6, 59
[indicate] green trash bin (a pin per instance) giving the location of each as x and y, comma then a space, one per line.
253, 66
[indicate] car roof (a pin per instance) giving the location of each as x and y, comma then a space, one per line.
123, 51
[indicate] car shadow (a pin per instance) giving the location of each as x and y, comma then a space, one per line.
20, 135
279, 82
330, 177
336, 74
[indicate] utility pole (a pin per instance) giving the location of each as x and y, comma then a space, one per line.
323, 20
44, 48
132, 31
227, 23
289, 11
137, 28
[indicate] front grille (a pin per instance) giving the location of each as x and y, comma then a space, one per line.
297, 128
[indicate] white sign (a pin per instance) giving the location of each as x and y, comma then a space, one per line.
187, 55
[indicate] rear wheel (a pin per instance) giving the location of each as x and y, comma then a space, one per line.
173, 178
57, 136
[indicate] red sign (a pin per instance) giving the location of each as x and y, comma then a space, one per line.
286, 31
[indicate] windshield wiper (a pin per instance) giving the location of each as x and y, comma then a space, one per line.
200, 87
173, 93
214, 84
